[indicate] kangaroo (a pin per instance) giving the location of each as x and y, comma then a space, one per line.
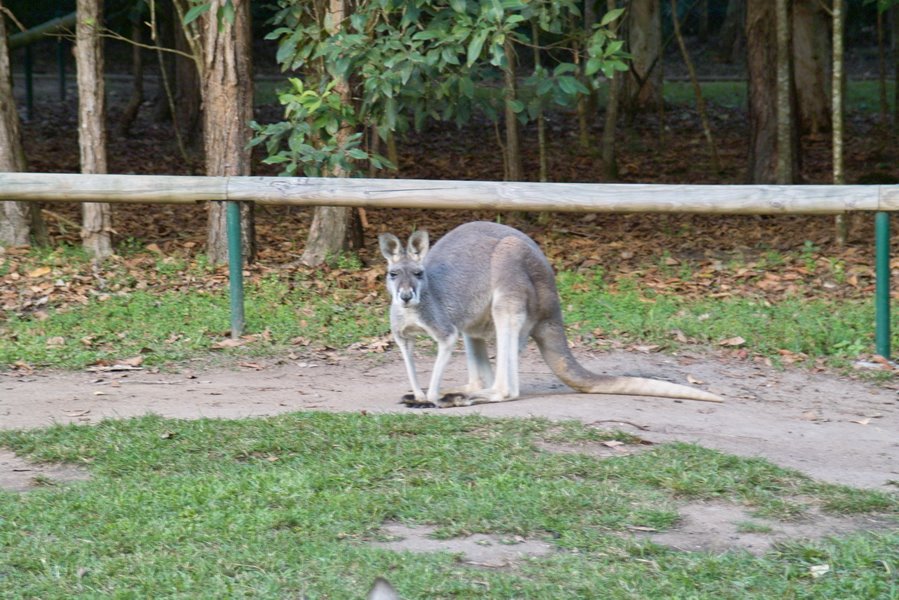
482, 280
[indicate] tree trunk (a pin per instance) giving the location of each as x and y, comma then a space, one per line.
609, 158
188, 99
785, 148
334, 229
137, 82
96, 227
761, 29
541, 122
894, 13
513, 143
811, 52
697, 89
732, 38
15, 217
643, 88
227, 84
841, 223
882, 69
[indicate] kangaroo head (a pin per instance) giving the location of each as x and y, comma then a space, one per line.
406, 276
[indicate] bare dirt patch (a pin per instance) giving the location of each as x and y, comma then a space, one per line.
830, 427
477, 550
19, 475
719, 527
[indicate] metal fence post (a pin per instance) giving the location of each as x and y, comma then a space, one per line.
235, 267
882, 286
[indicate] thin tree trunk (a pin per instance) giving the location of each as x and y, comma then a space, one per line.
841, 224
331, 231
812, 65
227, 86
762, 70
541, 122
609, 159
697, 90
882, 70
583, 102
513, 143
894, 13
15, 217
96, 228
137, 82
785, 148
643, 89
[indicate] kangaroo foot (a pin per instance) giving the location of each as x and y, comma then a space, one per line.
412, 402
454, 399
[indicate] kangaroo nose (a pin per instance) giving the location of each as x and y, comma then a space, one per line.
406, 296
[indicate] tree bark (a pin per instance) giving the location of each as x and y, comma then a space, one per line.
643, 88
811, 52
732, 38
785, 148
513, 144
96, 228
15, 217
137, 82
609, 158
697, 89
761, 29
227, 86
334, 229
188, 99
841, 223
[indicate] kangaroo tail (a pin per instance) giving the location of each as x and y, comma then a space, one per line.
550, 337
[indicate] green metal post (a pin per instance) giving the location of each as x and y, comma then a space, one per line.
882, 287
235, 268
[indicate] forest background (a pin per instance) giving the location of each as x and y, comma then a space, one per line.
615, 91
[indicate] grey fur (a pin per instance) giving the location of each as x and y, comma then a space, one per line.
482, 280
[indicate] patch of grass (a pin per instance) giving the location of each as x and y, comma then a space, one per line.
178, 325
180, 310
861, 96
753, 527
837, 331
282, 507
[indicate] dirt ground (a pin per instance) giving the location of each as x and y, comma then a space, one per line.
832, 428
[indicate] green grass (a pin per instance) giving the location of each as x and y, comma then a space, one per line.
169, 320
179, 325
835, 330
280, 507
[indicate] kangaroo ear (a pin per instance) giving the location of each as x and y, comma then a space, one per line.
418, 245
391, 247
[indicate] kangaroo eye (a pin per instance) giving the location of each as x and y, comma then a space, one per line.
419, 274
393, 274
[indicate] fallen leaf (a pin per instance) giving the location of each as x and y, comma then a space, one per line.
732, 341
78, 413
864, 421
39, 272
56, 342
612, 444
694, 381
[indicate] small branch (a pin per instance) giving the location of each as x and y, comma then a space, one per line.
13, 18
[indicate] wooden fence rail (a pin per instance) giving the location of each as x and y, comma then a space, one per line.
468, 195
472, 195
